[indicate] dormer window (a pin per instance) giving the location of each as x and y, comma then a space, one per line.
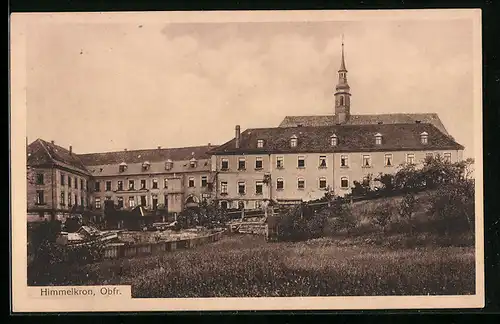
333, 140
145, 166
169, 164
424, 138
192, 163
293, 141
378, 139
260, 143
122, 167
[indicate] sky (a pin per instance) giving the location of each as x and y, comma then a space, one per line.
110, 86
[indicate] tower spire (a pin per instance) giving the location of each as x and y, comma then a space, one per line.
342, 92
342, 62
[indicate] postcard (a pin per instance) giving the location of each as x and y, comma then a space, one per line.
246, 160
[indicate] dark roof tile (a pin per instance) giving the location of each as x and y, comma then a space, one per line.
399, 118
350, 138
41, 152
151, 155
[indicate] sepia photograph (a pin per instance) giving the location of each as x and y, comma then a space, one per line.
244, 160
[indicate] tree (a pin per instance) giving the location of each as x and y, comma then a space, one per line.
387, 182
453, 206
407, 208
362, 188
408, 178
341, 210
383, 214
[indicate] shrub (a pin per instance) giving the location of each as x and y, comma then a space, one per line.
453, 207
407, 208
387, 182
383, 213
50, 257
362, 188
301, 223
342, 211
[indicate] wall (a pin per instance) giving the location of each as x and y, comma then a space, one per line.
177, 190
250, 176
70, 190
311, 173
290, 173
32, 188
115, 251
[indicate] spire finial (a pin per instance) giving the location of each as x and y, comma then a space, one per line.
342, 62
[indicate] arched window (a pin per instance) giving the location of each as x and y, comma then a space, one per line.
342, 100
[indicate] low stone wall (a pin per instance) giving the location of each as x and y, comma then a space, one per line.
123, 250
249, 228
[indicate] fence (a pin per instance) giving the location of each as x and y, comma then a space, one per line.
120, 250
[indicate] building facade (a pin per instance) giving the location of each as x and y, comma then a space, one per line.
301, 159
62, 183
303, 163
57, 182
307, 156
169, 179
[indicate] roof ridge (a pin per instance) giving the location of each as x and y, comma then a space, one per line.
42, 142
151, 149
338, 125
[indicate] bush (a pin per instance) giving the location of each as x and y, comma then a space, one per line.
407, 208
342, 211
383, 214
453, 207
51, 258
301, 223
387, 182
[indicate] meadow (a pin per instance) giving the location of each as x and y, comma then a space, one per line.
244, 265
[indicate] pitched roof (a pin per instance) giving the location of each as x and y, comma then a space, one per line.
150, 155
41, 152
351, 138
154, 168
400, 118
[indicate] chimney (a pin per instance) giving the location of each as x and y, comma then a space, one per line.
70, 149
52, 142
237, 136
159, 147
125, 150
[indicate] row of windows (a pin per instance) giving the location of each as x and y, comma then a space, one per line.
294, 140
169, 164
131, 201
322, 163
239, 204
280, 185
144, 184
71, 199
72, 182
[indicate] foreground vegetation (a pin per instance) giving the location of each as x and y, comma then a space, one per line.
241, 266
416, 238
436, 198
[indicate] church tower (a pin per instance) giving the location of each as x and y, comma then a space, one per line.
342, 93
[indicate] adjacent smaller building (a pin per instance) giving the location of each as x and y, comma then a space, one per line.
164, 178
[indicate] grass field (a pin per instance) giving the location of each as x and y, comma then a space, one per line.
243, 265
